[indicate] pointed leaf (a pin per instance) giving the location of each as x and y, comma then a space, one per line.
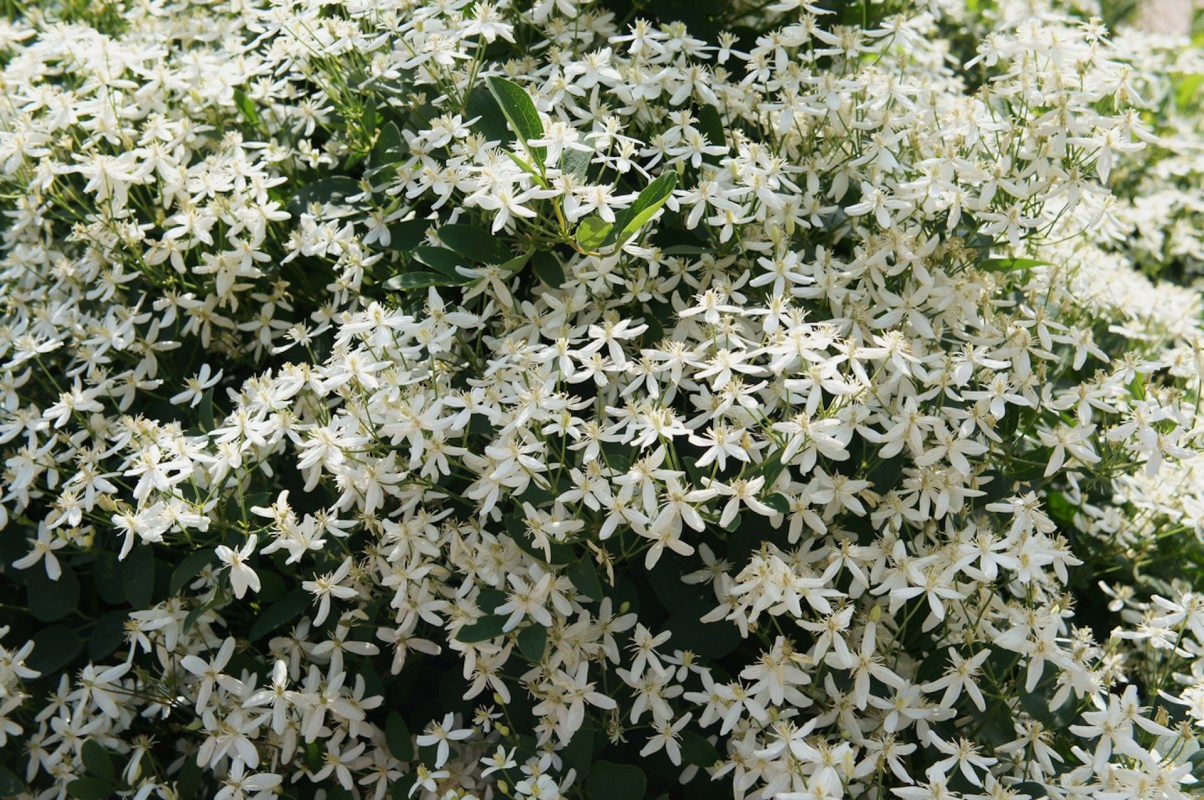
1011, 264
421, 280
397, 737
650, 200
189, 568
282, 612
138, 573
520, 112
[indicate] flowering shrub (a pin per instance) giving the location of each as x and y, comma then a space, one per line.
535, 399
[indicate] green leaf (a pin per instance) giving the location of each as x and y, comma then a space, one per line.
520, 112
138, 572
334, 189
697, 749
592, 232
683, 250
246, 107
205, 411
397, 737
532, 640
1011, 264
389, 145
778, 503
579, 754
576, 163
190, 778
515, 264
194, 614
585, 577
107, 634
650, 200
548, 269
97, 761
280, 613
610, 781
10, 784
91, 789
487, 627
421, 280
54, 647
711, 125
51, 600
106, 577
405, 236
490, 121
188, 569
475, 244
441, 260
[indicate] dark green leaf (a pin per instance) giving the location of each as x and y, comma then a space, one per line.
610, 781
397, 737
711, 125
246, 107
107, 634
585, 577
548, 269
54, 647
650, 200
778, 503
421, 280
334, 189
531, 642
579, 754
592, 232
205, 411
490, 121
405, 236
697, 749
1011, 264
516, 263
51, 600
138, 573
487, 627
684, 250
280, 613
106, 577
91, 789
189, 568
194, 614
190, 778
475, 244
97, 761
10, 784
520, 112
441, 260
389, 145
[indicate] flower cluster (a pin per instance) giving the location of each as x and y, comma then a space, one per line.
470, 399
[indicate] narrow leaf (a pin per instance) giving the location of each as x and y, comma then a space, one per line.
520, 112
650, 200
1011, 264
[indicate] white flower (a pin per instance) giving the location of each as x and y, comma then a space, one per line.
242, 577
